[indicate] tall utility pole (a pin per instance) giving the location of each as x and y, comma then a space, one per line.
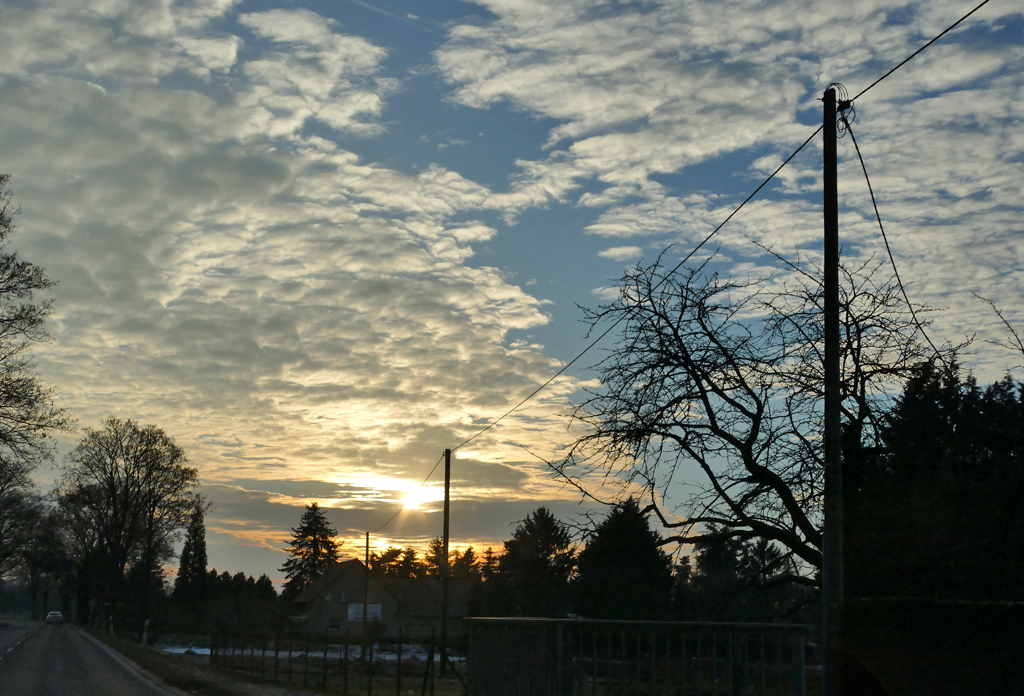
832, 553
445, 570
366, 595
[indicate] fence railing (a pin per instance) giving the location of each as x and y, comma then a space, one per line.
334, 661
568, 657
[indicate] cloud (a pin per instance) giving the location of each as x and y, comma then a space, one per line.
641, 93
621, 253
283, 309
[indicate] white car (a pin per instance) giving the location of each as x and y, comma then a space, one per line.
54, 617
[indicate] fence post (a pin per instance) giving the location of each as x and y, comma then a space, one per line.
277, 652
305, 661
291, 644
800, 684
428, 667
398, 667
369, 676
327, 643
344, 684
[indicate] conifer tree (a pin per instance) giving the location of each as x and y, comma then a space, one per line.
312, 550
190, 585
623, 573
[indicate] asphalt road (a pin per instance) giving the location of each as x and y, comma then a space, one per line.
39, 660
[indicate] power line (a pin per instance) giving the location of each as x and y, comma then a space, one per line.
888, 250
912, 55
658, 285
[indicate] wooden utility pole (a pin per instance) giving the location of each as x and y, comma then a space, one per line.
832, 552
445, 570
366, 596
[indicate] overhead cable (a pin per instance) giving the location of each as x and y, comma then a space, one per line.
888, 250
620, 319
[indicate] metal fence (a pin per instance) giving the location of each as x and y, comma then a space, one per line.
568, 657
333, 661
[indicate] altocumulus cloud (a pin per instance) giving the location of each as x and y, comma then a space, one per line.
284, 310
640, 92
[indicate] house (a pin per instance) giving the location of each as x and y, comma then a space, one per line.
334, 602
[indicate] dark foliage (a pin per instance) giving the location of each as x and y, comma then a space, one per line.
622, 573
190, 584
531, 576
937, 511
741, 581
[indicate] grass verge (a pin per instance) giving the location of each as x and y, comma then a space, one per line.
190, 673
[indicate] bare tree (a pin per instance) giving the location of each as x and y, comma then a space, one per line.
126, 493
27, 411
725, 377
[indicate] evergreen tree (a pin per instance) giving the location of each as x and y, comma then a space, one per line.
743, 581
622, 571
465, 565
534, 570
190, 584
386, 564
409, 566
434, 558
489, 565
935, 512
312, 550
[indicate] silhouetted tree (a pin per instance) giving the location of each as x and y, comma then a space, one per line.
19, 509
190, 585
465, 565
312, 550
534, 570
622, 573
46, 561
409, 566
27, 411
387, 563
726, 377
936, 511
488, 565
433, 559
743, 581
125, 494
234, 603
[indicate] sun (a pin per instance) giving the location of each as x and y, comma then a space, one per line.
414, 498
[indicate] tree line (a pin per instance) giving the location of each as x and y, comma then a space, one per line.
618, 571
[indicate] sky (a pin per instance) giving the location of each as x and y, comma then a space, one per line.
319, 242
